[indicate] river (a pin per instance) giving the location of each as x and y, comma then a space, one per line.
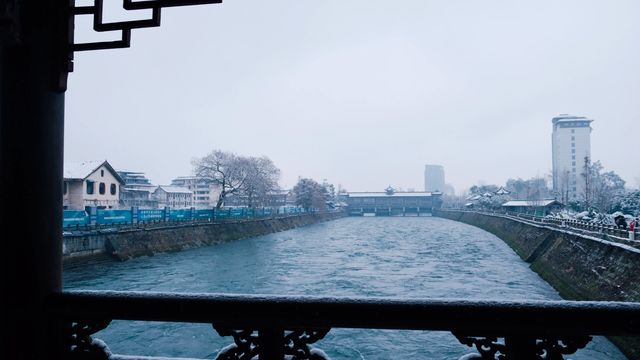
405, 257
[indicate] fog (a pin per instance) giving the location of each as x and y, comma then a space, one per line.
362, 93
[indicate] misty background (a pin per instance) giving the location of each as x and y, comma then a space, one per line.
362, 93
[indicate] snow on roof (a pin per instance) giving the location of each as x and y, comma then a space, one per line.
175, 189
140, 187
502, 191
81, 170
384, 194
569, 118
545, 202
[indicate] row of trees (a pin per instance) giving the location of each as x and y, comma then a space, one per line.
256, 180
602, 191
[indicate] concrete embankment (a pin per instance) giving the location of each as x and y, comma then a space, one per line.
579, 267
125, 244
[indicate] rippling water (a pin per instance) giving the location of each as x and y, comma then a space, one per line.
392, 257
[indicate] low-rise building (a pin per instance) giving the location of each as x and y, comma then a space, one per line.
91, 184
273, 199
173, 196
540, 207
205, 194
137, 190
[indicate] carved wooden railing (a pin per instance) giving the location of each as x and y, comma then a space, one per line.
279, 327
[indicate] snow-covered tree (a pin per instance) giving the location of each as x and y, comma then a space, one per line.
629, 203
533, 189
329, 194
602, 190
309, 194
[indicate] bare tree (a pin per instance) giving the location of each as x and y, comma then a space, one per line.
253, 178
587, 177
261, 181
563, 187
224, 169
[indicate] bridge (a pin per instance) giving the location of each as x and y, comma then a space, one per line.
392, 203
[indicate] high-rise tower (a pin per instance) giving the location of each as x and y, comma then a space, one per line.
434, 178
570, 144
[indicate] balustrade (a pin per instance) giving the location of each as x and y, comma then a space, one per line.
279, 327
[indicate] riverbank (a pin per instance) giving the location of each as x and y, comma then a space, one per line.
579, 267
133, 242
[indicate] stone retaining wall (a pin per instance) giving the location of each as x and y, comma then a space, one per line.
125, 244
579, 267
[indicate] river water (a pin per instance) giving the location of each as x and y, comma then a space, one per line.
410, 257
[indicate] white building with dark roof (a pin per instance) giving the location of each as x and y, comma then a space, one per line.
570, 144
91, 184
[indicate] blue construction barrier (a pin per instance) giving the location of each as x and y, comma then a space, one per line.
77, 218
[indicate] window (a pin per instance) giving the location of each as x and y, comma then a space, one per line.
573, 138
90, 187
65, 188
573, 163
573, 144
102, 173
101, 188
113, 189
573, 151
573, 131
573, 157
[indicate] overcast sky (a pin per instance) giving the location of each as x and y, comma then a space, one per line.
362, 93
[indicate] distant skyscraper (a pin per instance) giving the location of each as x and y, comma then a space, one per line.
571, 143
434, 178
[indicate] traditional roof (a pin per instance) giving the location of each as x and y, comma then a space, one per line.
384, 194
82, 170
502, 191
531, 203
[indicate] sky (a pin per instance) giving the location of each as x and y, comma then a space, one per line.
362, 93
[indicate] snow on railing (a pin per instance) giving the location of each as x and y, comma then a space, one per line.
605, 231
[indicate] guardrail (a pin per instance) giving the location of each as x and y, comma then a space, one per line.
604, 231
279, 327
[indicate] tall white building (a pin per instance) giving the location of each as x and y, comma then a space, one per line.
434, 178
571, 143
